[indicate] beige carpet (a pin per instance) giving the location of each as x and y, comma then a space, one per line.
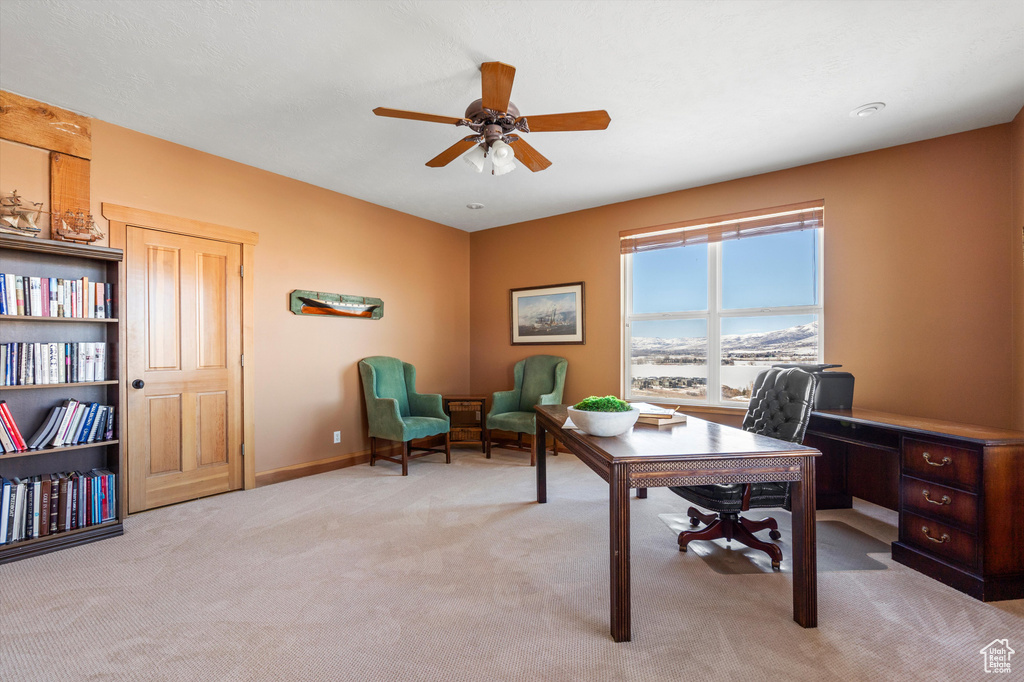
454, 573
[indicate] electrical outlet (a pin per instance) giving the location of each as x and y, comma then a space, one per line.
337, 436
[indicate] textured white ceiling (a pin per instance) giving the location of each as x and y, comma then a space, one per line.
698, 91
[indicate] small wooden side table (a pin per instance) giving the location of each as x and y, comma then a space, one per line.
467, 419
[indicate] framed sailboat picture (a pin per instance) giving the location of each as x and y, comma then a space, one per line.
547, 315
303, 302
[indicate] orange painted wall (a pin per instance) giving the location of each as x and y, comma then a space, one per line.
917, 281
1017, 263
307, 381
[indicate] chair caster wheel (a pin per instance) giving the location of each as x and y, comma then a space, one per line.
682, 549
776, 566
774, 534
694, 522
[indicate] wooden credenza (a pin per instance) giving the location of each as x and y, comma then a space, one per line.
958, 488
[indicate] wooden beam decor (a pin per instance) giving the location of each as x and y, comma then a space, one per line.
40, 125
69, 184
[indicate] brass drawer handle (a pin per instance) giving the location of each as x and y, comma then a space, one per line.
945, 499
940, 540
944, 462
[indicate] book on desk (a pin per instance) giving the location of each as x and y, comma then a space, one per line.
653, 415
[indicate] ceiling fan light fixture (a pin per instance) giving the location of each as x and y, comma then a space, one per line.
501, 158
502, 168
475, 158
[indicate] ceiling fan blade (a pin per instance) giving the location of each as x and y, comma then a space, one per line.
453, 152
580, 120
530, 157
497, 84
416, 116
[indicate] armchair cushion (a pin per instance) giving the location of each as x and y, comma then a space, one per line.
520, 422
421, 427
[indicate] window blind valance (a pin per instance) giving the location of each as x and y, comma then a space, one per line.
804, 216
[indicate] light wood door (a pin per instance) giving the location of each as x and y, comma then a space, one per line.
184, 419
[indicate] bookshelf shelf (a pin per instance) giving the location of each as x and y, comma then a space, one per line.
73, 384
29, 406
64, 448
53, 543
34, 318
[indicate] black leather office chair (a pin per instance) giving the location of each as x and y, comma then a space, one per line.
780, 407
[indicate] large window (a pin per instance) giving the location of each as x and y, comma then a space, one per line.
709, 305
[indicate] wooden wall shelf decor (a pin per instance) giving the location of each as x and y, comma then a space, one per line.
305, 302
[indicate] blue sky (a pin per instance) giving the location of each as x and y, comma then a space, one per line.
775, 270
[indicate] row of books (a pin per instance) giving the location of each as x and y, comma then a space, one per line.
33, 364
69, 423
54, 297
38, 506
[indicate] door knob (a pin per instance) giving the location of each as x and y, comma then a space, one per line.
138, 383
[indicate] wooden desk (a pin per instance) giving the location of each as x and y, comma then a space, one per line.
958, 488
697, 453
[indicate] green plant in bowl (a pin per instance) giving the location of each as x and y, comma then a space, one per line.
603, 416
608, 403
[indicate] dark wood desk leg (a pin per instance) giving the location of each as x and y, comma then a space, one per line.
542, 466
618, 495
641, 493
805, 558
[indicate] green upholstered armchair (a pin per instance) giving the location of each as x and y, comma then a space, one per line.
395, 411
539, 380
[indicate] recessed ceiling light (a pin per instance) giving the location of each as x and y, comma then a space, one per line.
474, 206
867, 109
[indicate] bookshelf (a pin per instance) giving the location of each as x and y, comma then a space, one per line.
30, 404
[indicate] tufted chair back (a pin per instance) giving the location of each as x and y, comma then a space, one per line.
780, 404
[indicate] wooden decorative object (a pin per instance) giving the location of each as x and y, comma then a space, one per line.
75, 227
68, 138
304, 302
40, 125
69, 192
19, 217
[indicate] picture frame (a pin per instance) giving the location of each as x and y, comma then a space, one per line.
554, 314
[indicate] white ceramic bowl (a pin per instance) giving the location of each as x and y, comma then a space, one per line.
604, 423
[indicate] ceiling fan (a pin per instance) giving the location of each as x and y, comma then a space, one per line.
494, 120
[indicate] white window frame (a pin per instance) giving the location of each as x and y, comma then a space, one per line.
713, 315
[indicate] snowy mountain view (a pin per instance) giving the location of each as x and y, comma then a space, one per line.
677, 367
800, 343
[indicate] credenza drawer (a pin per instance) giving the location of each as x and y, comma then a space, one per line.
956, 467
939, 539
949, 505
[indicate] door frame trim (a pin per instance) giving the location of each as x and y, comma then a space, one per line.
121, 217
